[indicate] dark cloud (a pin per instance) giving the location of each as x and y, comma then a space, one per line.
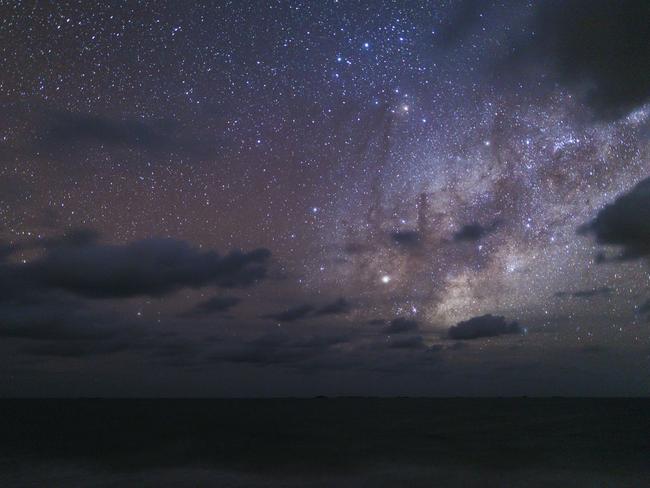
625, 223
78, 236
465, 16
599, 48
212, 305
355, 248
321, 341
151, 267
644, 308
483, 326
53, 321
377, 322
402, 325
473, 232
55, 325
73, 127
331, 352
593, 349
178, 353
291, 314
6, 250
410, 239
75, 349
66, 135
278, 349
45, 301
408, 342
338, 307
69, 130
585, 293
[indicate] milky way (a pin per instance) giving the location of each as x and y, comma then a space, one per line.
520, 188
252, 193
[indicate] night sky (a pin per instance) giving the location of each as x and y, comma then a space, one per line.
325, 197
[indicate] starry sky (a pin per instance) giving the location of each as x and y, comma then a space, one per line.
261, 198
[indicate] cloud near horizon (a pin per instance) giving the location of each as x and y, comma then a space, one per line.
57, 297
338, 307
150, 267
624, 223
483, 326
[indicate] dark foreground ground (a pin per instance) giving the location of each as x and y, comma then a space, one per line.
325, 442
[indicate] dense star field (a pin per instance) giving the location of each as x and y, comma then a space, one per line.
331, 197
